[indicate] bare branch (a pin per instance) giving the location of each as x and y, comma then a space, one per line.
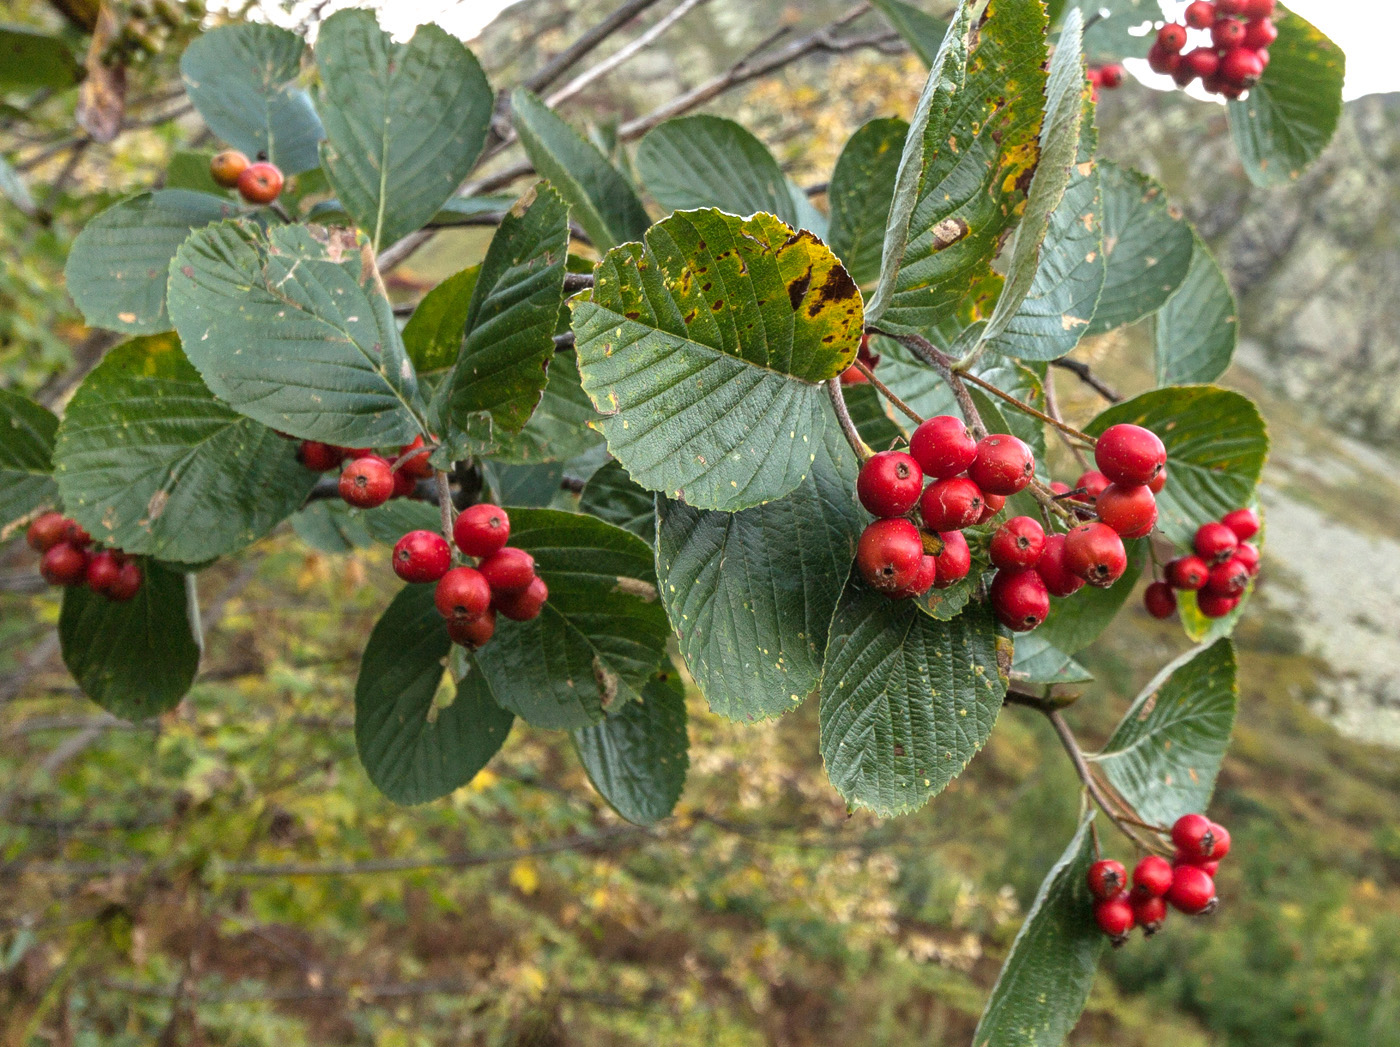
606, 66
1085, 375
584, 45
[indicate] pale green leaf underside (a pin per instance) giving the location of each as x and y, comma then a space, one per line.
26, 458
1196, 331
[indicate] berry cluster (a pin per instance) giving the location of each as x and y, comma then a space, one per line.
1236, 55
68, 559
853, 375
1218, 571
1109, 77
1186, 883
367, 479
257, 182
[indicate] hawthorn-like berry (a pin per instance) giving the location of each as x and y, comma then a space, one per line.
64, 564
1227, 33
1095, 553
226, 167
1020, 599
1188, 572
1152, 877
943, 446
319, 457
1058, 579
1149, 914
524, 605
991, 505
1241, 65
1222, 842
954, 562
46, 531
889, 555
1131, 511
1160, 600
1161, 60
1215, 543
1248, 554
472, 633
1231, 7
260, 183
417, 466
1210, 867
1111, 76
512, 570
1107, 879
1260, 34
1004, 465
1171, 37
367, 482
127, 584
1130, 455
104, 567
1216, 606
1094, 483
404, 485
1017, 544
1159, 481
924, 580
1184, 73
1192, 890
1200, 14
1202, 62
1258, 9
1227, 579
889, 484
75, 534
422, 556
462, 593
950, 505
481, 529
1244, 522
1115, 918
1194, 836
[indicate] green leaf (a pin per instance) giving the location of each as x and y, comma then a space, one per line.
1116, 32
1147, 244
1292, 112
30, 59
1045, 981
921, 31
873, 419
1202, 630
612, 495
135, 659
26, 458
332, 527
906, 700
149, 462
14, 189
404, 122
1039, 661
536, 486
387, 523
1197, 329
189, 169
433, 335
705, 350
119, 265
602, 200
562, 427
707, 161
1216, 446
243, 80
861, 189
637, 758
972, 150
293, 329
420, 736
1165, 754
751, 594
602, 632
1077, 621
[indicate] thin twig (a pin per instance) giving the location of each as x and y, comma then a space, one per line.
444, 497
885, 391
616, 59
1052, 408
843, 416
584, 45
1026, 408
1085, 375
943, 364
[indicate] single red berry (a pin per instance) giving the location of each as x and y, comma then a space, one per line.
1162, 60
1232, 7
1184, 73
1188, 572
226, 167
1244, 522
1160, 600
422, 556
1192, 890
889, 555
1171, 37
319, 457
1222, 842
417, 466
405, 486
991, 505
1152, 877
954, 562
75, 534
1111, 76
1115, 918
1058, 489
1227, 33
128, 583
1018, 543
924, 580
1260, 34
1194, 837
1149, 914
524, 605
260, 183
943, 446
1202, 62
103, 569
1094, 483
1058, 579
1248, 554
481, 529
853, 375
1159, 481
1258, 9
1020, 599
64, 564
367, 482
1230, 578
1004, 465
889, 484
1241, 65
1200, 14
1212, 606
1095, 553
1215, 543
950, 505
1209, 868
1095, 77
462, 593
1131, 511
472, 633
511, 570
1130, 455
46, 531
1107, 879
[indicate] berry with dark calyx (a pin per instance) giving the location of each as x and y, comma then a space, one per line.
1115, 918
1189, 573
1194, 836
1244, 522
924, 580
1215, 543
462, 593
260, 183
524, 605
46, 531
1161, 60
1227, 33
1149, 914
127, 584
1158, 482
481, 529
367, 482
1200, 14
226, 167
1210, 868
405, 486
1152, 877
417, 466
1020, 599
1260, 34
64, 564
954, 562
1258, 9
943, 446
1058, 579
1171, 37
1160, 600
1004, 465
1216, 606
991, 505
889, 555
75, 534
1227, 579
1192, 890
1093, 482
422, 556
1130, 455
1184, 73
1107, 879
104, 567
319, 457
472, 633
1222, 842
889, 484
1018, 543
1095, 553
1241, 66
951, 505
509, 570
1131, 511
1248, 554
1111, 76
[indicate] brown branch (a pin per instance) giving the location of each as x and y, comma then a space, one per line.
885, 391
1026, 408
1052, 408
584, 45
622, 55
843, 416
444, 499
1085, 375
943, 364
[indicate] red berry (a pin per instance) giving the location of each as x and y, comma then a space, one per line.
1095, 553
417, 466
1111, 76
1051, 567
1232, 7
1115, 918
1188, 572
260, 183
1227, 33
103, 569
1130, 455
1004, 465
1215, 543
1150, 914
1184, 73
404, 485
1241, 65
950, 505
943, 446
1230, 578
1258, 9
46, 531
1200, 14
1131, 511
1244, 522
319, 457
511, 570
1018, 543
226, 167
1202, 62
1152, 877
524, 605
1020, 599
889, 555
1171, 37
1107, 879
422, 556
1094, 483
1193, 836
1162, 60
128, 583
1216, 606
462, 593
954, 562
1159, 481
1209, 868
472, 632
1160, 600
889, 484
481, 529
1058, 489
1260, 34
924, 580
1248, 554
75, 534
991, 505
64, 564
1222, 842
1192, 890
367, 482
853, 375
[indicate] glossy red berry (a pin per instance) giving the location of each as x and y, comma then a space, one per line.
1158, 482
462, 593
1131, 511
1162, 60
46, 531
1152, 877
889, 484
1212, 606
1230, 578
1017, 544
1058, 489
404, 485
954, 562
1160, 600
104, 568
1130, 455
943, 446
472, 633
991, 505
481, 529
1244, 522
422, 556
1149, 913
64, 564
1260, 34
1258, 9
1115, 918
1093, 483
1020, 599
1111, 76
319, 457
1095, 553
260, 183
853, 375
1200, 14
524, 605
1188, 572
950, 505
1248, 554
924, 580
1241, 65
1171, 37
1210, 868
1058, 579
1107, 879
1192, 890
1215, 543
367, 482
75, 534
226, 167
889, 555
127, 584
1231, 7
1184, 72
1227, 33
1004, 465
1194, 836
509, 570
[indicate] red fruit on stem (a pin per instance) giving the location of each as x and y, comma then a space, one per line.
417, 466
1227, 579
1232, 7
889, 484
1111, 76
1216, 606
1004, 465
1244, 522
422, 556
1171, 37
1058, 579
128, 583
1192, 890
1094, 483
991, 505
1020, 599
1183, 74
260, 183
319, 457
472, 633
1227, 33
950, 505
1194, 836
1115, 918
1260, 34
1200, 14
510, 570
367, 482
1161, 60
1248, 554
226, 167
1159, 481
1222, 842
924, 580
1095, 553
853, 375
462, 593
524, 605
64, 564
943, 446
1058, 489
103, 570
1017, 544
1188, 572
46, 531
1160, 600
1258, 9
1215, 543
954, 562
75, 534
889, 555
1241, 65
481, 529
1130, 455
1107, 879
1202, 62
1152, 877
1149, 913
1131, 511
404, 485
